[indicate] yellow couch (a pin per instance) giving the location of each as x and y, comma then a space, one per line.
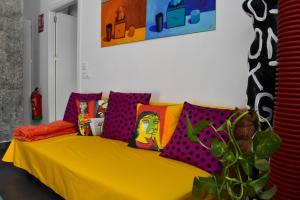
91, 168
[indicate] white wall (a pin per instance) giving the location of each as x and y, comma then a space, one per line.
207, 68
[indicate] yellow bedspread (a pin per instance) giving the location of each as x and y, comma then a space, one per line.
91, 168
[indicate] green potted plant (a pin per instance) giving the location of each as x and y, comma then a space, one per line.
245, 158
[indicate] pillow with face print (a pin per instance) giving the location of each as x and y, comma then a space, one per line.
154, 126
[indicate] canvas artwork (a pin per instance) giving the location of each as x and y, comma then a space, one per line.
125, 21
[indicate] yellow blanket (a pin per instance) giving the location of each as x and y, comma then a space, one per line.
91, 168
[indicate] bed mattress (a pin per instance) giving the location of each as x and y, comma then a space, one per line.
90, 168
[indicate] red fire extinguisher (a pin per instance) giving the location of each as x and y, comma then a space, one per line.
36, 105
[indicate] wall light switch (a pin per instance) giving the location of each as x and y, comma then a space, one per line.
84, 66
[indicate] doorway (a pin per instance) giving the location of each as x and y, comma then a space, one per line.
64, 61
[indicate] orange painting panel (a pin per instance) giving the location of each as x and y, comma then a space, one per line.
122, 21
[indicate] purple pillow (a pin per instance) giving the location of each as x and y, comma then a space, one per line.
120, 116
71, 112
181, 148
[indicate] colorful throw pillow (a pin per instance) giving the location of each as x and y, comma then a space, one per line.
181, 148
121, 114
71, 112
98, 122
91, 116
154, 126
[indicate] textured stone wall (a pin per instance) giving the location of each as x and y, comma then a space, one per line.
11, 66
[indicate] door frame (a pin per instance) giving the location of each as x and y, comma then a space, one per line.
54, 7
27, 70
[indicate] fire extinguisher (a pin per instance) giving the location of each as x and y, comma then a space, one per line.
36, 105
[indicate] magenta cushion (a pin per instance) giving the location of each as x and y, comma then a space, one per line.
120, 116
71, 112
181, 148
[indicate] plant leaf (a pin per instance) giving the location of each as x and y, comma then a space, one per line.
249, 191
265, 143
203, 185
200, 126
247, 168
259, 183
249, 157
262, 165
269, 193
218, 148
190, 130
229, 156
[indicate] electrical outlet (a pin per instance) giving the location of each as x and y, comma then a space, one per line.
85, 75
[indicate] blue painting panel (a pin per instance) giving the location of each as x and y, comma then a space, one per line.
176, 17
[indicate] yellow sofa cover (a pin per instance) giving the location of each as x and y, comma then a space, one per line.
91, 168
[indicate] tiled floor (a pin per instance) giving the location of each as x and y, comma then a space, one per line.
16, 184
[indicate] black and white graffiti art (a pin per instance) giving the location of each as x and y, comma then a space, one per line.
262, 57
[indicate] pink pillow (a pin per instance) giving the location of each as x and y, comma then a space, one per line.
71, 112
120, 116
181, 148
